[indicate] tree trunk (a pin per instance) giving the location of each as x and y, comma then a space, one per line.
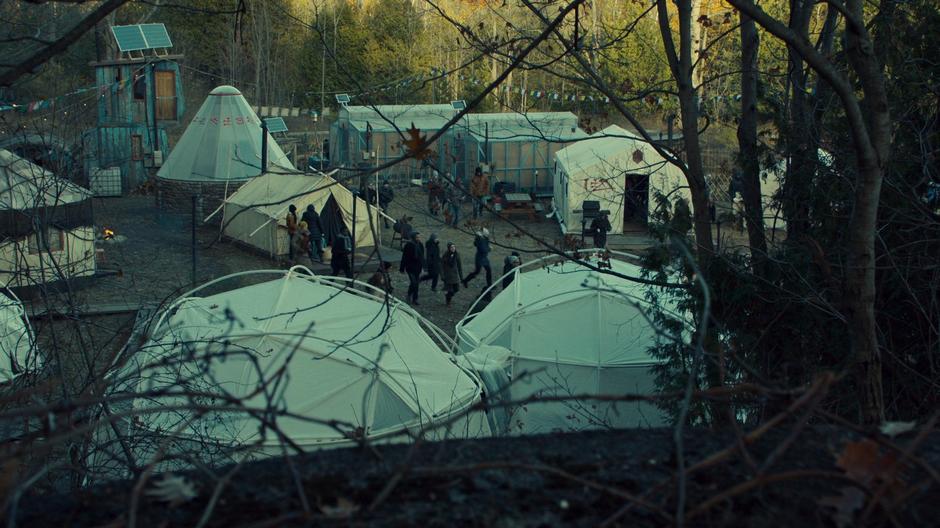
747, 144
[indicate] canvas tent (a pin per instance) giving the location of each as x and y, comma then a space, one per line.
617, 169
46, 226
573, 331
256, 214
222, 143
17, 353
519, 148
324, 351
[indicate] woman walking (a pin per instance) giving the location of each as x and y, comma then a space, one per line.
452, 271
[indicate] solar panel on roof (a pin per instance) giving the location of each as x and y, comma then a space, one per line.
156, 36
275, 124
129, 38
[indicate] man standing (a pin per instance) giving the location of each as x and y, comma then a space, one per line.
316, 232
510, 263
412, 262
481, 260
479, 189
291, 222
342, 245
386, 195
600, 226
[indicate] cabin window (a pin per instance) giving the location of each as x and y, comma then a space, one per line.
165, 86
137, 148
140, 86
51, 239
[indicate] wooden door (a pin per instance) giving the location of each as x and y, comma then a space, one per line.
166, 95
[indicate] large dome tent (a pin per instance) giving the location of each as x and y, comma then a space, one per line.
340, 363
570, 329
17, 348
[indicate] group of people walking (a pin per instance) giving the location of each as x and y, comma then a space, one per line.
422, 261
307, 237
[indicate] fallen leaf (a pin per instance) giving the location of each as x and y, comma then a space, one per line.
173, 489
343, 509
893, 429
849, 501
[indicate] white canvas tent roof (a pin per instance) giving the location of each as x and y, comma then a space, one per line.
222, 143
574, 331
346, 356
595, 169
269, 196
25, 185
17, 354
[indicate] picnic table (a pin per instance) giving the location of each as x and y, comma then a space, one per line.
519, 204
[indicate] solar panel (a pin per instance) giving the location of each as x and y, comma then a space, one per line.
342, 98
156, 36
129, 38
276, 124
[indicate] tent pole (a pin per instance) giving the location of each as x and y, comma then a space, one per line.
194, 243
352, 255
264, 146
266, 222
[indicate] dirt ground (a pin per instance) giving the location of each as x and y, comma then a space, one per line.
153, 262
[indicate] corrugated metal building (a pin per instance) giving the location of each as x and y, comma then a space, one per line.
519, 148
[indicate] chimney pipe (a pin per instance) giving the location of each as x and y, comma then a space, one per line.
264, 146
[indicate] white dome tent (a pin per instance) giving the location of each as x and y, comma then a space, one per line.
17, 351
319, 349
569, 331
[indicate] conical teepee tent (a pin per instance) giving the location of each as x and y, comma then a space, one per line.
222, 143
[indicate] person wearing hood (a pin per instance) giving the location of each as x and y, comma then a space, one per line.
316, 232
342, 247
432, 259
412, 262
600, 226
510, 263
481, 259
452, 271
380, 278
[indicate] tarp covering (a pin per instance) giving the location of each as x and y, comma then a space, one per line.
263, 203
346, 357
572, 331
16, 339
223, 142
31, 196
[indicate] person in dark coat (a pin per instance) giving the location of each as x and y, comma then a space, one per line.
600, 226
412, 262
291, 221
316, 232
452, 271
481, 260
342, 246
432, 259
386, 195
510, 263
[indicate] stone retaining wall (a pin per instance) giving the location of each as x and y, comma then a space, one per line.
176, 195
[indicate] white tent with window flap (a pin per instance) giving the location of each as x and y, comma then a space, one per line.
17, 351
569, 330
256, 215
222, 143
46, 227
617, 169
325, 361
